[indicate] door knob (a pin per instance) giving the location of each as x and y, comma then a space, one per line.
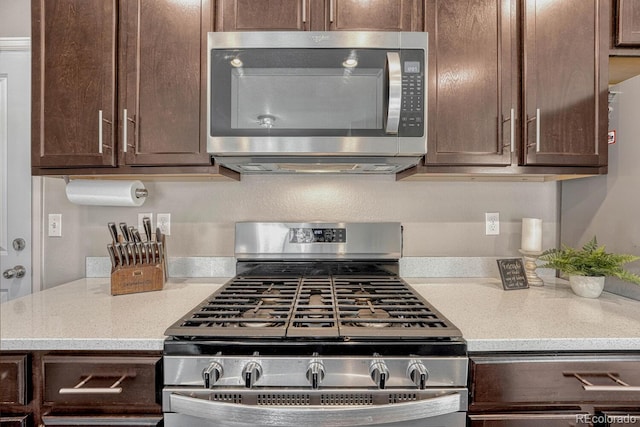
18, 272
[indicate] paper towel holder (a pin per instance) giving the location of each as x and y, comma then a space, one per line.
140, 193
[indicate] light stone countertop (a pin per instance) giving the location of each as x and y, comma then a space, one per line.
82, 315
547, 318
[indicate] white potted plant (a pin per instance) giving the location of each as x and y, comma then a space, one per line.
588, 267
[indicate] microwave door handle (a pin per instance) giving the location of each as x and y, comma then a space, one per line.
395, 92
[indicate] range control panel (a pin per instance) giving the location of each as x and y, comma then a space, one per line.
412, 107
317, 235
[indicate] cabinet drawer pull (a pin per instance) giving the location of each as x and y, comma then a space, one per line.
304, 11
124, 130
100, 131
331, 8
77, 389
589, 386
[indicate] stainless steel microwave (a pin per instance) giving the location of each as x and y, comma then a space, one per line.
317, 101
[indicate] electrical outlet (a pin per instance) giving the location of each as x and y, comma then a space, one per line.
492, 223
141, 224
55, 225
164, 223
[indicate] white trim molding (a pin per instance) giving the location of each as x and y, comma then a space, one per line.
15, 43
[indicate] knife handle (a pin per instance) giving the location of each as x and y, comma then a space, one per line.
112, 255
132, 251
118, 250
113, 230
146, 222
139, 252
136, 235
125, 231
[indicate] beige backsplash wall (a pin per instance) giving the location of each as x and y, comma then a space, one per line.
439, 218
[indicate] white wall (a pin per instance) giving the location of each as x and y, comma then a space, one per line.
439, 218
608, 206
15, 18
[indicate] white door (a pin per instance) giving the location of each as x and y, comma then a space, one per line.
15, 168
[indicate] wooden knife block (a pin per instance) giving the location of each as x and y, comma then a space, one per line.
137, 278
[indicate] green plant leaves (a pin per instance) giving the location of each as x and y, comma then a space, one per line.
591, 260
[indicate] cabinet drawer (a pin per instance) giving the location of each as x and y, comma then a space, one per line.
530, 420
510, 381
102, 381
13, 371
15, 421
122, 421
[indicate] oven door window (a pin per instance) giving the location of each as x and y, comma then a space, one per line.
299, 92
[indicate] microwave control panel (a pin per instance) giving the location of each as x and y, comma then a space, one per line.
413, 84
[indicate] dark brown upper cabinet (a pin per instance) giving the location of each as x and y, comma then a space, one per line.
119, 83
473, 91
74, 83
565, 82
517, 83
627, 23
319, 15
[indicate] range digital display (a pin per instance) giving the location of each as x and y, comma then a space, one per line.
317, 235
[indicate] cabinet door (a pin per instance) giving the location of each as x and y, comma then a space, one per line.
530, 420
251, 15
375, 15
102, 421
13, 372
15, 421
565, 50
473, 101
162, 114
628, 23
73, 83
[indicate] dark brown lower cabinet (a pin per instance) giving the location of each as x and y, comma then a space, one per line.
558, 389
95, 421
15, 420
83, 388
529, 420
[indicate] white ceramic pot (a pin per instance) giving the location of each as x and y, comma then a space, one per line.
586, 286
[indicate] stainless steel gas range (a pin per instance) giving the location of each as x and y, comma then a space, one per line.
317, 328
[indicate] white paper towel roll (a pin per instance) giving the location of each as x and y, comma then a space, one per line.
104, 193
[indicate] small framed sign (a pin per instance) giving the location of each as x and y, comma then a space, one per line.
512, 274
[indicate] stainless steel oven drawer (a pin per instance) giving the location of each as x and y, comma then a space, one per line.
337, 408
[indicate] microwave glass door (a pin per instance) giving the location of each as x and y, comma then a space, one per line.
301, 92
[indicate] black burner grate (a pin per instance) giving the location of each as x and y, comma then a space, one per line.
349, 306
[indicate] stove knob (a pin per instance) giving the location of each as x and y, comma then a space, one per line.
251, 373
418, 374
211, 374
315, 373
379, 373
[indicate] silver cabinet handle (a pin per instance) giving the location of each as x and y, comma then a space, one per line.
395, 92
315, 415
331, 10
124, 130
304, 11
537, 130
77, 389
589, 386
513, 130
100, 131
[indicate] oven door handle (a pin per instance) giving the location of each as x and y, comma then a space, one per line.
317, 415
395, 92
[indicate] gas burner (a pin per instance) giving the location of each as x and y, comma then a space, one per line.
255, 315
270, 296
316, 300
371, 315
